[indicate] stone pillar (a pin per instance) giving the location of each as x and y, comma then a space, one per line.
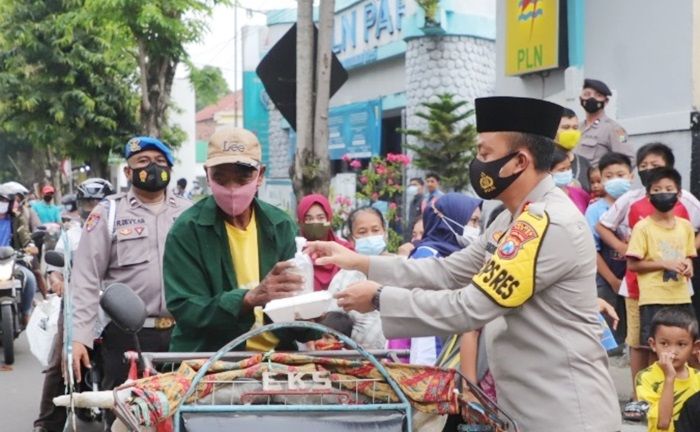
461, 65
279, 146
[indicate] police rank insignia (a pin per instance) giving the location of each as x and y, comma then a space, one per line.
134, 145
508, 277
92, 221
486, 183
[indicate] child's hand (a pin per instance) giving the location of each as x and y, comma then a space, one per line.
666, 363
677, 266
688, 268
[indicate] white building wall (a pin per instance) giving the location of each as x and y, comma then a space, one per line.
643, 52
183, 98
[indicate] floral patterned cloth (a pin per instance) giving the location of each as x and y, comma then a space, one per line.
431, 390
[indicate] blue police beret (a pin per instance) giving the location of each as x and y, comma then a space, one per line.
138, 144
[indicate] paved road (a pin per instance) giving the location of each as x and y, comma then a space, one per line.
21, 390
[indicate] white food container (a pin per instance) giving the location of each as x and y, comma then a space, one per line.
301, 307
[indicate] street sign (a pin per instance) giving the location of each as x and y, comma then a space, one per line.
278, 73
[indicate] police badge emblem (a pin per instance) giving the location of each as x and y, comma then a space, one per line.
486, 183
134, 145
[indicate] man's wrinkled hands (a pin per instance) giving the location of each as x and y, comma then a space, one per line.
279, 283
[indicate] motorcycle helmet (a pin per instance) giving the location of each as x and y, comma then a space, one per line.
6, 193
16, 188
69, 202
90, 192
94, 188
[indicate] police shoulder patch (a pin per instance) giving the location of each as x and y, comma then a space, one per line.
508, 277
92, 221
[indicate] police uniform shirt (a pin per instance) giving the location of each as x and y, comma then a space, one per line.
603, 136
130, 252
544, 348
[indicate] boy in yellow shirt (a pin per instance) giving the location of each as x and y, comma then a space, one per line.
667, 384
660, 251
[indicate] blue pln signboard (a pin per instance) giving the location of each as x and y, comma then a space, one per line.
355, 130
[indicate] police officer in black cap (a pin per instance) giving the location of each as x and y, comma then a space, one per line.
527, 280
601, 134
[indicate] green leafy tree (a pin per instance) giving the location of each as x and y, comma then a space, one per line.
445, 147
159, 30
65, 89
209, 85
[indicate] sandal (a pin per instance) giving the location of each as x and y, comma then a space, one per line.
635, 411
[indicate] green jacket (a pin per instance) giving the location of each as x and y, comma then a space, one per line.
200, 283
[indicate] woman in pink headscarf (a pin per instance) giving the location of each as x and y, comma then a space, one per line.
314, 215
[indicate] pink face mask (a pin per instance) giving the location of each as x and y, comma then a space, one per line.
234, 202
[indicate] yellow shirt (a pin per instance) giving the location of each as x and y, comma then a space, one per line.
243, 245
651, 241
649, 384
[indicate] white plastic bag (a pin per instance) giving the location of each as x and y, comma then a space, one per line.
43, 327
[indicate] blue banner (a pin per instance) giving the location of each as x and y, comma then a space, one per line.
355, 130
255, 115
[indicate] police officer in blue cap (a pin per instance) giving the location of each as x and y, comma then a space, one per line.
123, 241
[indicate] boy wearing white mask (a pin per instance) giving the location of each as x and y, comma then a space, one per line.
616, 175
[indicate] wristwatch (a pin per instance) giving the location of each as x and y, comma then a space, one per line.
375, 299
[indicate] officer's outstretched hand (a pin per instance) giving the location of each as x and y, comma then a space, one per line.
358, 297
80, 357
323, 253
279, 283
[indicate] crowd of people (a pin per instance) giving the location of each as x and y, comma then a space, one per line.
510, 296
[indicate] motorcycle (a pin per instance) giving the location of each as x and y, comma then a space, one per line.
11, 283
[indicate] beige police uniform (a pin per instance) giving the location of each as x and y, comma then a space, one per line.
129, 252
543, 344
603, 136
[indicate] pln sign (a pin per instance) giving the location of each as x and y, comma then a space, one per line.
535, 35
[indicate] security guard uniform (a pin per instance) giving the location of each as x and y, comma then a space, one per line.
123, 241
530, 280
603, 136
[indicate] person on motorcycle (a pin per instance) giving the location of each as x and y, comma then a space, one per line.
47, 211
225, 258
123, 241
14, 232
52, 418
21, 194
69, 211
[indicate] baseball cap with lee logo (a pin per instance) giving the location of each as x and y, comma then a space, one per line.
235, 145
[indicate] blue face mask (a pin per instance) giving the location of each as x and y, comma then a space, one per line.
617, 187
373, 245
563, 178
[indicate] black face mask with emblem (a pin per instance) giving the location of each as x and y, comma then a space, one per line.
592, 105
152, 178
485, 176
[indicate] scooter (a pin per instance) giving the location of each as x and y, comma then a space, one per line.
11, 283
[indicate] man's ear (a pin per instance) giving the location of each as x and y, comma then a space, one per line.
652, 343
523, 160
127, 172
261, 175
